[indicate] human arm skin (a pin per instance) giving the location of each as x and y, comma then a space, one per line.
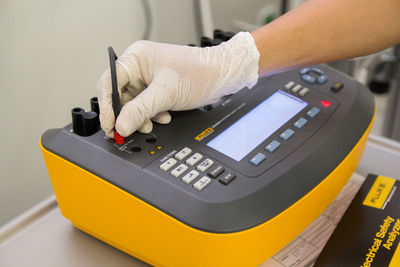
154, 78
327, 30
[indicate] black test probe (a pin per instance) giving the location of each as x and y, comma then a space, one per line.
116, 103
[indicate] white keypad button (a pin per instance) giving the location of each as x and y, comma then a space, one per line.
183, 153
203, 182
190, 176
304, 91
296, 88
168, 164
178, 171
194, 159
205, 165
289, 85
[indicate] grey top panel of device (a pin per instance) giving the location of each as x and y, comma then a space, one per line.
246, 202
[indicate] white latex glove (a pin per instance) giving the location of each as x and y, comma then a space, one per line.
154, 78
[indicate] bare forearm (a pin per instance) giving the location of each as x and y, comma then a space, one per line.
327, 30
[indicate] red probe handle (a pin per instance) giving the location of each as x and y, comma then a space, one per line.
119, 140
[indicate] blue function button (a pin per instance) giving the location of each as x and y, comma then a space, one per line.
300, 123
322, 79
304, 71
273, 146
288, 133
308, 78
257, 159
313, 112
317, 71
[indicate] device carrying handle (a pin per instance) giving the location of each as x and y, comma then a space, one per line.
116, 102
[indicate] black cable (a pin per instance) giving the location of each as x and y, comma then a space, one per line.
148, 19
284, 6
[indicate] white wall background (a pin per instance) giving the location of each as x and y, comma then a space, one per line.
51, 54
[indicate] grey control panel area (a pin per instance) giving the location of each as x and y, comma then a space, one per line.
239, 163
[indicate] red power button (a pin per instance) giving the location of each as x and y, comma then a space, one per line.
326, 103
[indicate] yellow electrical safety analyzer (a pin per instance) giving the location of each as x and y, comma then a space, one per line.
230, 185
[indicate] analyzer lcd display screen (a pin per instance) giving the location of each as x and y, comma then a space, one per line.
257, 125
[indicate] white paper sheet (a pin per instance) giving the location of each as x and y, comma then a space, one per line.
306, 247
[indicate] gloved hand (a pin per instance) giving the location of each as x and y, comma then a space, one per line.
154, 78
